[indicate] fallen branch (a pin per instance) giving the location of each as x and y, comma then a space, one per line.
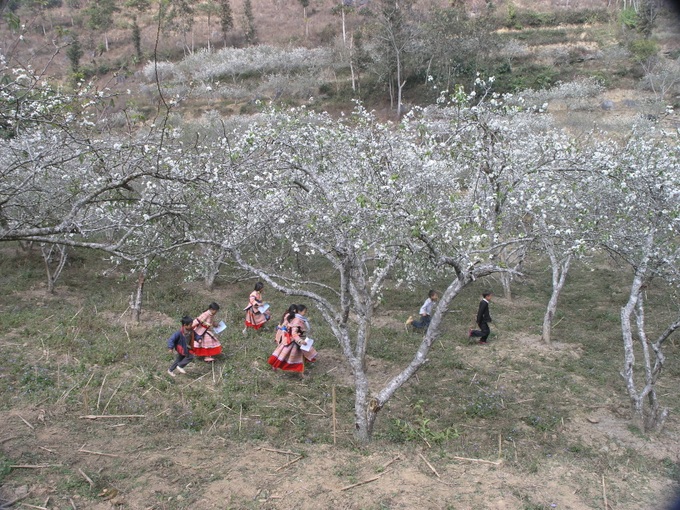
4, 440
109, 416
305, 398
335, 431
22, 419
429, 465
496, 463
390, 462
604, 494
520, 401
29, 466
89, 480
99, 398
289, 463
15, 500
111, 398
278, 451
364, 482
34, 506
98, 453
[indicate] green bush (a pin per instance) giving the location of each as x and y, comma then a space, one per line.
643, 49
628, 18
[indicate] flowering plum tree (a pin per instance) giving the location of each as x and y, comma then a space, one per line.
64, 181
354, 198
643, 229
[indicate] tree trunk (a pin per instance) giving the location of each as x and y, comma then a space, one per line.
344, 28
304, 15
351, 53
506, 280
365, 415
53, 274
559, 277
136, 298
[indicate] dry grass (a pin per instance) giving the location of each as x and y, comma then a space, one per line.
555, 417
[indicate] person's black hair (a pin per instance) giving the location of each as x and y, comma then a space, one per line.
487, 293
213, 306
259, 286
301, 308
431, 294
187, 321
289, 314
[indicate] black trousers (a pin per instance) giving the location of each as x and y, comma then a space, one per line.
422, 323
181, 361
483, 331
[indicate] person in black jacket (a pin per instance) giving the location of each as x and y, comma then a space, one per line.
483, 319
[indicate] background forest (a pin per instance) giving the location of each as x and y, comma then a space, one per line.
160, 156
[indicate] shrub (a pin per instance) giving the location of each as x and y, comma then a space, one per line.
643, 49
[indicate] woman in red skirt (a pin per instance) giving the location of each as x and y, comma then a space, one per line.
206, 344
257, 313
291, 336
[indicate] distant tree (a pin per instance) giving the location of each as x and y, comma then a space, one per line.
137, 39
100, 17
359, 59
226, 19
180, 18
140, 6
305, 4
210, 8
395, 36
74, 52
250, 32
646, 17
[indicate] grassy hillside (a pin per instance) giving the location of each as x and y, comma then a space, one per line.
527, 45
514, 424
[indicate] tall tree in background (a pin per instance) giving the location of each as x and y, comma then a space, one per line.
305, 4
396, 38
140, 6
209, 8
100, 17
249, 30
226, 19
74, 53
180, 19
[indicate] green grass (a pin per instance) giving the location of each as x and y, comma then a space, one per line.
81, 358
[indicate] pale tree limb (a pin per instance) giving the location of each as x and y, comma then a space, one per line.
429, 465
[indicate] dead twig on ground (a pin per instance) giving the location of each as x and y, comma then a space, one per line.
99, 398
29, 466
34, 506
335, 431
111, 398
429, 465
305, 398
89, 480
390, 462
289, 463
4, 440
98, 453
28, 424
363, 482
495, 463
110, 416
15, 500
285, 452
